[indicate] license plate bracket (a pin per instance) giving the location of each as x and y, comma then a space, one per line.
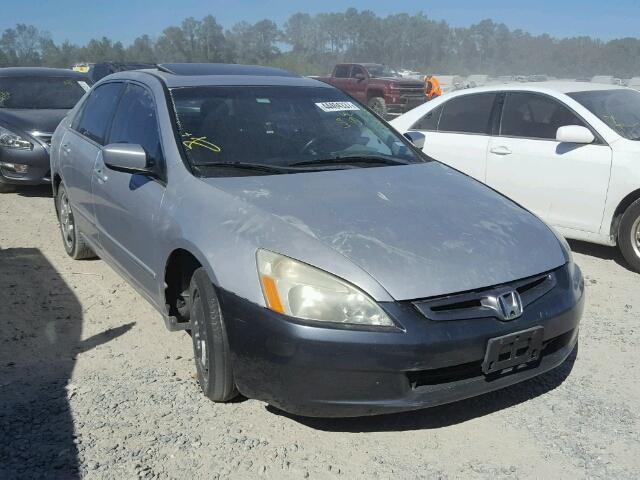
512, 350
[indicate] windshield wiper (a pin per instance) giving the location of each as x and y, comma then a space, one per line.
348, 159
261, 167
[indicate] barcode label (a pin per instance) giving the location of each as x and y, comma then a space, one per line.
337, 106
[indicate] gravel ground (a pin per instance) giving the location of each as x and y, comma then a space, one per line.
93, 386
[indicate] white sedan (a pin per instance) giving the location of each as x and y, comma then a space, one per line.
568, 151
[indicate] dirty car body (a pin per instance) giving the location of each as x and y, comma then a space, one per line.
33, 101
354, 274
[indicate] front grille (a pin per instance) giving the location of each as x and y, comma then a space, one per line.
465, 371
469, 305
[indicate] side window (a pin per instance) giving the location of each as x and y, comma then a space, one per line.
341, 71
136, 122
430, 121
534, 116
467, 114
98, 111
356, 70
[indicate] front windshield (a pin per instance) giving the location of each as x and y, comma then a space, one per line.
280, 127
377, 71
619, 109
40, 92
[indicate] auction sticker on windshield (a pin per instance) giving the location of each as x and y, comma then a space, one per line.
337, 106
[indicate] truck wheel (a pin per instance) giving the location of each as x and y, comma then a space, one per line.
72, 239
629, 235
378, 105
210, 343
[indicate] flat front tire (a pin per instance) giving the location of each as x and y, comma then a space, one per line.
210, 343
629, 235
72, 239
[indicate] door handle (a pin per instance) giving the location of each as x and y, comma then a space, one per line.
502, 150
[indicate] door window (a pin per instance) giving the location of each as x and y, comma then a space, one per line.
429, 122
467, 114
136, 122
98, 110
342, 71
356, 70
530, 115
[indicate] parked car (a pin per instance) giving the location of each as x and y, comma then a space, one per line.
32, 103
377, 86
568, 151
321, 262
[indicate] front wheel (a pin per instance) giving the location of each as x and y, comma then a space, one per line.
378, 105
210, 343
629, 235
72, 239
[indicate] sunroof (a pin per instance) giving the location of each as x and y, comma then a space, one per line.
222, 69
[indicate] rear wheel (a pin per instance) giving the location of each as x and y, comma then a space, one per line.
378, 105
210, 343
72, 239
629, 235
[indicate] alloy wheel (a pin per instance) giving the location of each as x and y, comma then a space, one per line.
67, 223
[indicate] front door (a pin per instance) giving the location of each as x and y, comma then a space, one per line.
127, 205
564, 184
79, 150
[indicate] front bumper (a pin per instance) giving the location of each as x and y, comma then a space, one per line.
402, 104
37, 162
335, 372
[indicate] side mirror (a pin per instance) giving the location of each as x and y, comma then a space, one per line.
574, 134
359, 76
417, 138
126, 157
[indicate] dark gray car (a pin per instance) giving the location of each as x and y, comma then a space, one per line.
321, 262
33, 101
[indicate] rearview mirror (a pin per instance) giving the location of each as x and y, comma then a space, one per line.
574, 134
126, 157
417, 138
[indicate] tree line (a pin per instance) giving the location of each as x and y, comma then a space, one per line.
311, 44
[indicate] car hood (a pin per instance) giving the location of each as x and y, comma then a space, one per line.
29, 120
419, 230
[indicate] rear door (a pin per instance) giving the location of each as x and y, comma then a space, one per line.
127, 205
565, 184
80, 147
457, 132
341, 77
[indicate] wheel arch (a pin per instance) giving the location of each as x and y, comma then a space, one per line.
374, 92
620, 209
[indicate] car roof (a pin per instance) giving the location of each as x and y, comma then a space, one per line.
550, 86
219, 74
40, 72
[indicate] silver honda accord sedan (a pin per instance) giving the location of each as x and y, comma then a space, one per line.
320, 261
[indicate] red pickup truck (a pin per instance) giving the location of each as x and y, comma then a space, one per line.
378, 87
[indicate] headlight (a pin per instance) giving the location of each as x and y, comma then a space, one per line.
8, 139
300, 290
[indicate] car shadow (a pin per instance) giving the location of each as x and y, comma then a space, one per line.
444, 415
599, 251
31, 191
40, 338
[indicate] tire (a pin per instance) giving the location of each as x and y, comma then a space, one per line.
378, 105
210, 343
629, 235
72, 238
